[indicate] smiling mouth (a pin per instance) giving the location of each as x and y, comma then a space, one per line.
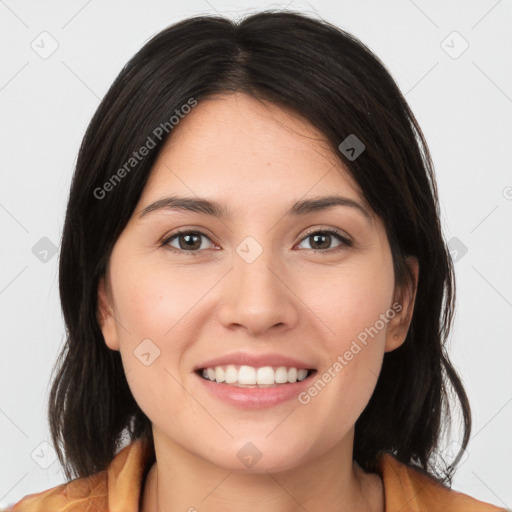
250, 377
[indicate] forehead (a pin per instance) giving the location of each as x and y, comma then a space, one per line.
250, 151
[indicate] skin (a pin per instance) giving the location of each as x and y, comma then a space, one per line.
257, 159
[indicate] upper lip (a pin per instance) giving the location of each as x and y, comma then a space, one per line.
255, 360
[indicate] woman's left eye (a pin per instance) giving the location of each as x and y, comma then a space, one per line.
190, 241
324, 237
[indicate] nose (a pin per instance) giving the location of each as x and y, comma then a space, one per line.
257, 297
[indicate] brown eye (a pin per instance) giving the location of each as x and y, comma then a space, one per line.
321, 240
187, 241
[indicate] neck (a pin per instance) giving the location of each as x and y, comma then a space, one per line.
179, 480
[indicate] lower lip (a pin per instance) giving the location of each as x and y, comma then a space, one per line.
256, 398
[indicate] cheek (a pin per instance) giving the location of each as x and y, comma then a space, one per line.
351, 301
351, 306
161, 312
154, 299
152, 305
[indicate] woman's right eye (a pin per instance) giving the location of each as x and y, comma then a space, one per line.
187, 241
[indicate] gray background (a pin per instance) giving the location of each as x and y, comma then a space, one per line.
461, 97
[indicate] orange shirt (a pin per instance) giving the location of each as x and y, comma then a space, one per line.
118, 489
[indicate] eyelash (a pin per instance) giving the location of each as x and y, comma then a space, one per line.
345, 241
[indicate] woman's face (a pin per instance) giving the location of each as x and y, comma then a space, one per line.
263, 279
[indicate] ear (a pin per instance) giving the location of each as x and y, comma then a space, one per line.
105, 316
403, 305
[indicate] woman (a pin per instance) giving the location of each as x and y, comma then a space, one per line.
255, 285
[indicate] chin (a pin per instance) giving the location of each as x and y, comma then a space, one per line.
258, 455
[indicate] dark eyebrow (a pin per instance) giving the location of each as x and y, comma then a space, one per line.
216, 209
325, 203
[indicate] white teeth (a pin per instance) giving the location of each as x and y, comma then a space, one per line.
219, 374
231, 374
292, 375
264, 375
281, 375
248, 376
302, 374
